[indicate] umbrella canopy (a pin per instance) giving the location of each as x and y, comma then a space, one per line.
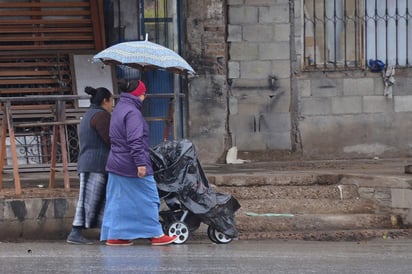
144, 55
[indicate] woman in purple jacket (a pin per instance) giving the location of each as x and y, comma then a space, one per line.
132, 200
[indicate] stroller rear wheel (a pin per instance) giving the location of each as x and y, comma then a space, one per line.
211, 235
217, 236
179, 229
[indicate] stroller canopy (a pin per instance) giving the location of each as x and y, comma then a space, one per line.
177, 170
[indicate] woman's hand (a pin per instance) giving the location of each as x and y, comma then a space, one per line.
141, 171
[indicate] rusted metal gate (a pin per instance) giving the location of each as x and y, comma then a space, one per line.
37, 42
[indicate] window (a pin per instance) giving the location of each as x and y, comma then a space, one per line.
158, 21
345, 34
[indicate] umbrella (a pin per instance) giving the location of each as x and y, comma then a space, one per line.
144, 55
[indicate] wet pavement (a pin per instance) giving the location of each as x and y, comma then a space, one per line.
241, 256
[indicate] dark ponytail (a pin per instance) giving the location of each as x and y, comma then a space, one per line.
98, 95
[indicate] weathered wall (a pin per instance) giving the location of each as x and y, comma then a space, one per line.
206, 52
348, 116
318, 115
259, 74
246, 104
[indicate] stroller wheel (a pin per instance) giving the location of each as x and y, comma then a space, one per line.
217, 236
180, 230
211, 235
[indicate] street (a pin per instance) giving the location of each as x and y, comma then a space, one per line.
203, 256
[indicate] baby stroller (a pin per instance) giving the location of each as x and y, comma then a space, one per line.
185, 190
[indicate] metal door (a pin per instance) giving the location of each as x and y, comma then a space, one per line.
159, 21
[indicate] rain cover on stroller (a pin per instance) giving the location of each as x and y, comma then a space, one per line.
177, 170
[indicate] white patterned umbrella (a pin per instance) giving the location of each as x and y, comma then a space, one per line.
144, 55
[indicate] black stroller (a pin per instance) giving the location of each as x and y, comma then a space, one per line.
190, 200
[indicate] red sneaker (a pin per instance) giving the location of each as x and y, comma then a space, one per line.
119, 242
164, 240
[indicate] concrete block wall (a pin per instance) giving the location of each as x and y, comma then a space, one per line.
391, 193
258, 48
402, 200
251, 91
347, 115
36, 218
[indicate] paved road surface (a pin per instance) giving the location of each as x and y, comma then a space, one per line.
273, 256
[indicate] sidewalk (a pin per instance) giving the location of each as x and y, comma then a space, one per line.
381, 167
32, 183
376, 167
41, 213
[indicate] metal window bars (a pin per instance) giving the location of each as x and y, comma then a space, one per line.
346, 34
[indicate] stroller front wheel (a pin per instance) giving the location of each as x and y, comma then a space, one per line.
179, 229
217, 236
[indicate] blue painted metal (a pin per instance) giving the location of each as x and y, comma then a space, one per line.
160, 81
157, 82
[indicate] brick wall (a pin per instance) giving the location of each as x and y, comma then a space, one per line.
207, 53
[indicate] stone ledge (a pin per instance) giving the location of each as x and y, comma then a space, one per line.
333, 235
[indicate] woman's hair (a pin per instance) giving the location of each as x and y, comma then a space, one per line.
127, 86
98, 94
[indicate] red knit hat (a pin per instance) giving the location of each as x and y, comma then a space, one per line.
139, 90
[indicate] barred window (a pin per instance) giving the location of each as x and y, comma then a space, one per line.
346, 34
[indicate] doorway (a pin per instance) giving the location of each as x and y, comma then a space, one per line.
159, 20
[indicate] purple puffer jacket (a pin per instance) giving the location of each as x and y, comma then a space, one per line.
129, 138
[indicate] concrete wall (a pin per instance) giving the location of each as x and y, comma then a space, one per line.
389, 192
259, 74
347, 115
206, 52
237, 48
36, 218
249, 97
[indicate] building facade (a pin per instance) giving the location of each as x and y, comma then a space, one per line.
310, 79
299, 77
